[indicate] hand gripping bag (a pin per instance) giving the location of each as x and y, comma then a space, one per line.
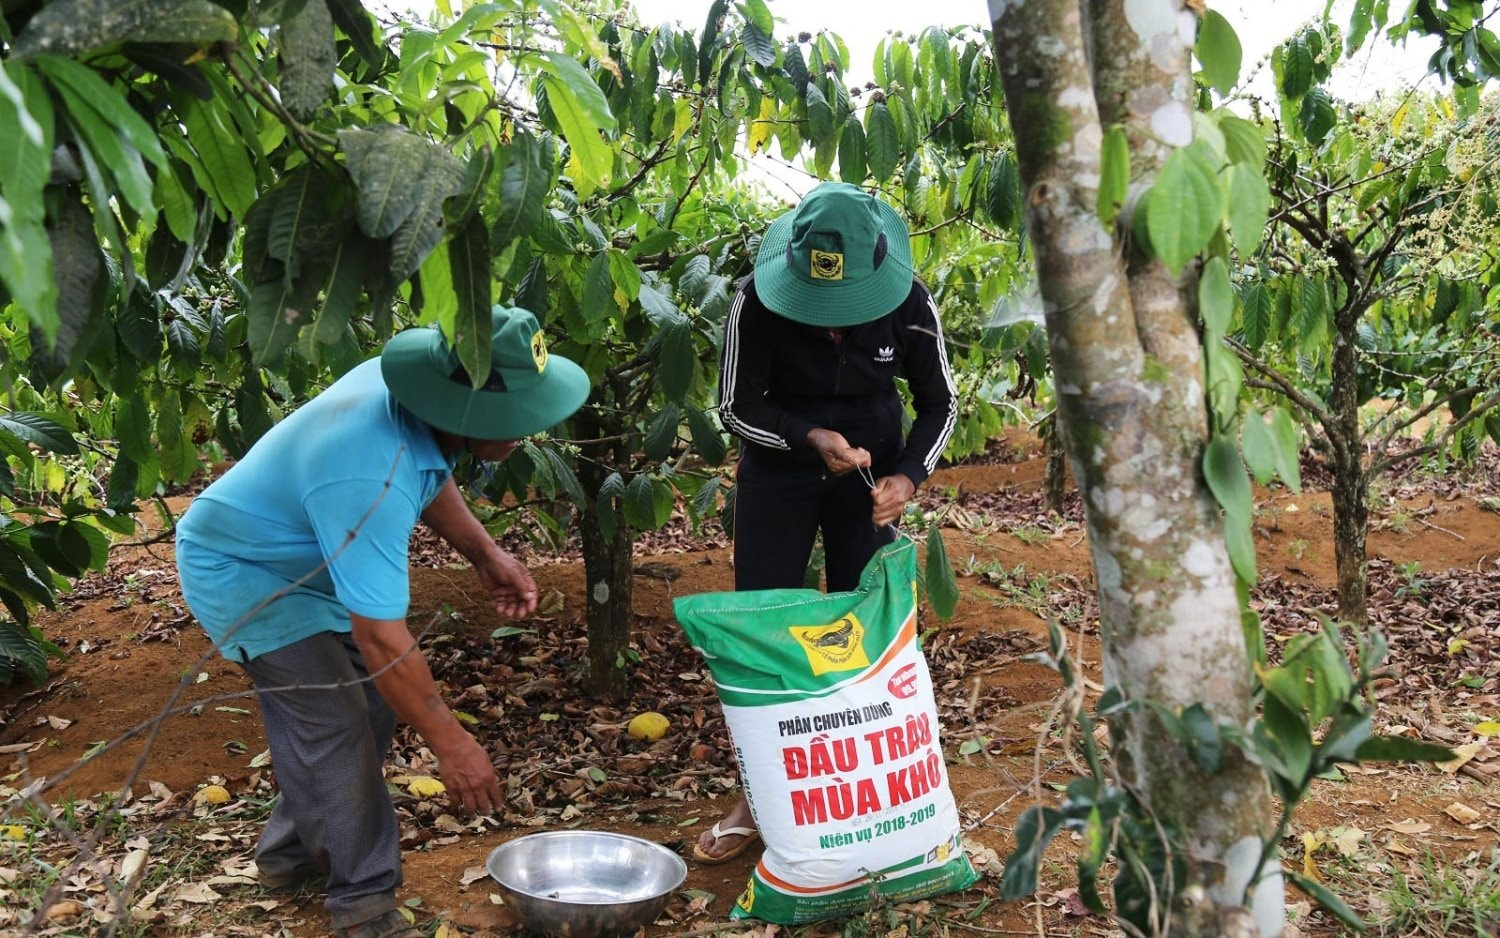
830, 707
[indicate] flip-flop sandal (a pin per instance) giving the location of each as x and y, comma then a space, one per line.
750, 835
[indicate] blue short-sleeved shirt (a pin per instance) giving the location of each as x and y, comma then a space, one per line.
327, 501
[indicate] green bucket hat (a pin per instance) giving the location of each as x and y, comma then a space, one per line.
840, 258
527, 390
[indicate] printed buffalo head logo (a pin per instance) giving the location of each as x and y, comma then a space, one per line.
836, 646
827, 265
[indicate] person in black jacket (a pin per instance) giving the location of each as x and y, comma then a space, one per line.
813, 343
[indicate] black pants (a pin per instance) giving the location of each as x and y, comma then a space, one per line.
778, 511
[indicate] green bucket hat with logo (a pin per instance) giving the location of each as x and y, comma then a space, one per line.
840, 258
527, 390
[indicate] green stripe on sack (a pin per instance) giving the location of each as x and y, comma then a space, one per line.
763, 901
778, 646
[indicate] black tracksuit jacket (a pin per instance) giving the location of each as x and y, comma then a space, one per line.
780, 378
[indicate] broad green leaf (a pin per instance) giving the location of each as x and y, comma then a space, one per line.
611, 492
819, 116
78, 269
759, 45
598, 301
1005, 192
423, 227
1296, 67
708, 440
1226, 477
341, 293
942, 586
106, 145
40, 431
83, 83
176, 205
591, 160
1034, 831
1259, 446
1402, 749
583, 91
138, 323
1219, 51
642, 508
1249, 206
277, 312
133, 428
1256, 314
306, 51
354, 21
661, 433
1114, 174
439, 301
677, 360
1243, 141
659, 308
297, 209
882, 143
523, 182
75, 28
1317, 116
1186, 205
1215, 299
624, 273
1204, 744
392, 169
221, 163
25, 147
469, 260
1241, 543
1288, 447
852, 167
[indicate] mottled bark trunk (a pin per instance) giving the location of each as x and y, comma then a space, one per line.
1351, 506
1127, 363
1056, 481
608, 571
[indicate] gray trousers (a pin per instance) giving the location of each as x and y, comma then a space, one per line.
328, 739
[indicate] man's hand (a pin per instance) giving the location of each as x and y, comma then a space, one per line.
890, 496
469, 776
509, 584
837, 454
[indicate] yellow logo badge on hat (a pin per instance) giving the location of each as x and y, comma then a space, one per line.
539, 351
837, 646
827, 265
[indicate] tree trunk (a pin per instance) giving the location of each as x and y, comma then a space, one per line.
1055, 483
1128, 368
1351, 504
608, 577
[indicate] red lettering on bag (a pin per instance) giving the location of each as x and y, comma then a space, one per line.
903, 683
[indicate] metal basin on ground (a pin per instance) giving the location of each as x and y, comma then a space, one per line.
585, 884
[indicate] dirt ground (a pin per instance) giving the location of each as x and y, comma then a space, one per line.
131, 647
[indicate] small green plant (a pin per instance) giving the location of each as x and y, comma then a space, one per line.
1031, 536
1297, 548
1412, 584
1444, 897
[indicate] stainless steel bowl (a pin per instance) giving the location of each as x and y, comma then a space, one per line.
583, 884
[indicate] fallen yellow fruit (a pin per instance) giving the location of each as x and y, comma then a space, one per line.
649, 726
13, 832
426, 787
212, 794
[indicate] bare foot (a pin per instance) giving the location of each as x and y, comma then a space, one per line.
738, 816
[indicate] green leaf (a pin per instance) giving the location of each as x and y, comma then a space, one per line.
641, 504
1326, 899
1204, 744
390, 167
612, 490
20, 649
598, 301
133, 428
138, 323
583, 91
1005, 192
355, 21
1034, 831
25, 158
341, 293
1317, 116
1184, 208
882, 142
1259, 446
1402, 749
1249, 206
819, 115
105, 144
592, 159
40, 431
1215, 299
1114, 174
1288, 448
1296, 67
677, 360
1219, 51
759, 45
222, 165
78, 269
1244, 142
942, 586
469, 261
277, 312
1226, 476
852, 167
1240, 540
1256, 311
423, 227
661, 433
75, 28
306, 51
523, 183
708, 440
1289, 731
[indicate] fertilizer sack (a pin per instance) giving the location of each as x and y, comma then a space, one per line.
829, 704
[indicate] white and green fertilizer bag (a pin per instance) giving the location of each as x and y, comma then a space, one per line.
829, 704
